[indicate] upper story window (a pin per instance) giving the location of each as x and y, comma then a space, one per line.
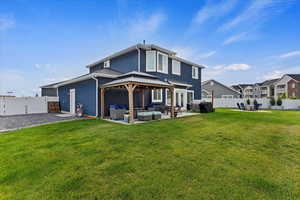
150, 61
156, 95
195, 72
106, 64
176, 67
293, 85
162, 63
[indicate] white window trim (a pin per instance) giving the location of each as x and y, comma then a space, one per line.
193, 92
157, 100
197, 72
209, 96
154, 59
165, 69
176, 61
107, 63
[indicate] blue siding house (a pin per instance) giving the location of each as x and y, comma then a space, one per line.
150, 65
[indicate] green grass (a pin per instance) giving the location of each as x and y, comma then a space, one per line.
222, 155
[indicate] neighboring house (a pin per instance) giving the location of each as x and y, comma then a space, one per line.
150, 65
288, 85
246, 90
220, 90
266, 88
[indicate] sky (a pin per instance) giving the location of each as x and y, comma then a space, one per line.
239, 41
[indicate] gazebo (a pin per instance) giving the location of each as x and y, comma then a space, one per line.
135, 81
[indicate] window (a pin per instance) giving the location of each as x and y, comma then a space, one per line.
227, 96
293, 85
106, 64
176, 67
162, 63
211, 83
195, 72
294, 94
150, 61
168, 97
156, 95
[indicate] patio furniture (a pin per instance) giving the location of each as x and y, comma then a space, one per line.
127, 118
206, 107
249, 107
256, 106
156, 115
144, 116
242, 106
116, 112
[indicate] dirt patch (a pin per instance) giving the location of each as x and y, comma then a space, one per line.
192, 119
295, 129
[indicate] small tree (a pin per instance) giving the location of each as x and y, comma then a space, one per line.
279, 101
272, 101
283, 96
248, 101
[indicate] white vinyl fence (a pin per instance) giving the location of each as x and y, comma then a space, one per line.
24, 105
288, 104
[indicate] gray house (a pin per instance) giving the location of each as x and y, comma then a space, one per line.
138, 76
220, 90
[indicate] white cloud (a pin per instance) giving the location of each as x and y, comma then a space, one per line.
290, 54
206, 55
148, 24
235, 38
233, 67
191, 53
278, 73
256, 13
215, 71
214, 10
6, 23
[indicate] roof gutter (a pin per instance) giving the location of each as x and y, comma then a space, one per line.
97, 85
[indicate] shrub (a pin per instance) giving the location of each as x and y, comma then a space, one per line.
279, 102
255, 102
272, 101
248, 101
283, 96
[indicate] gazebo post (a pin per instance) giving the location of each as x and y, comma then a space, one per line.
172, 101
102, 102
130, 88
143, 98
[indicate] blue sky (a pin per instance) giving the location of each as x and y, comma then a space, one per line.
239, 41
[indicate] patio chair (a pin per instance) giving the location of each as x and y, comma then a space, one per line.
243, 106
238, 105
256, 106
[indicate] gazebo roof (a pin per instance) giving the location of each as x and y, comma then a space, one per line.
137, 80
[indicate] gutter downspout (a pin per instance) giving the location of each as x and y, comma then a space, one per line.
97, 85
139, 58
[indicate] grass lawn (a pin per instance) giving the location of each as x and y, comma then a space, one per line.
222, 155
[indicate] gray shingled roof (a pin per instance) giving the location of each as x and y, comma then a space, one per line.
295, 76
269, 82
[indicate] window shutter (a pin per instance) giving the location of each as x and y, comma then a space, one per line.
150, 61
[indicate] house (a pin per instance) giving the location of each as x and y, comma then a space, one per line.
246, 90
219, 90
288, 85
136, 76
265, 89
